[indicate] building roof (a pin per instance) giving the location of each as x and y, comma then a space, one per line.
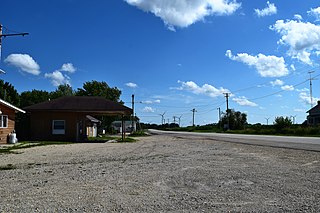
16, 109
315, 109
88, 104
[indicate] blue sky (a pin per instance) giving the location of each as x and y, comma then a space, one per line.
174, 55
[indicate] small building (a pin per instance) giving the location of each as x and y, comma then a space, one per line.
313, 118
7, 120
70, 118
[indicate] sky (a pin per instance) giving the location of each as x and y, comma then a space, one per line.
173, 55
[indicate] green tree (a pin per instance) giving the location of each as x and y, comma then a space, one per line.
29, 98
61, 91
9, 93
101, 89
237, 120
282, 122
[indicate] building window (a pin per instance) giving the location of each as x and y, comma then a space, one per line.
58, 127
3, 121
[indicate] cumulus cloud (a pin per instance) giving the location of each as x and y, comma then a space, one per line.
315, 12
24, 62
298, 17
302, 38
183, 13
131, 85
68, 67
305, 98
57, 78
271, 9
276, 82
205, 89
243, 101
267, 66
287, 87
148, 109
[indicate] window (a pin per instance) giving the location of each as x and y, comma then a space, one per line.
3, 121
58, 127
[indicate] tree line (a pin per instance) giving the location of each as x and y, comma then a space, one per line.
27, 98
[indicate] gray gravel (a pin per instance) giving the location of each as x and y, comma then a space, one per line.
160, 174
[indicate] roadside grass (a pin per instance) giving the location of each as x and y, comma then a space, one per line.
8, 167
105, 138
13, 149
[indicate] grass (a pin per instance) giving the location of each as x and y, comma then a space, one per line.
8, 167
29, 144
104, 138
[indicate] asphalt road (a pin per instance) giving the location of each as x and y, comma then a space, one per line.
290, 142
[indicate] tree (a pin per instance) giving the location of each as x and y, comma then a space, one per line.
282, 122
29, 98
101, 89
237, 120
9, 93
61, 91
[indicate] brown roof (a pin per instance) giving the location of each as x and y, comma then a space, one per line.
81, 104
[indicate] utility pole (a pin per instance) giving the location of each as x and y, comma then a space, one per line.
193, 112
267, 120
132, 117
227, 99
9, 34
219, 111
311, 99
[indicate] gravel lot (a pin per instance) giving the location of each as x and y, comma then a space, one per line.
160, 174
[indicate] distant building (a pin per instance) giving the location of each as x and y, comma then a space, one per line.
313, 118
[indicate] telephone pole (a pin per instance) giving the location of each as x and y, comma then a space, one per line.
227, 100
132, 117
193, 112
311, 99
9, 34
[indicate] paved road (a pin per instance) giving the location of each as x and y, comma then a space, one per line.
303, 143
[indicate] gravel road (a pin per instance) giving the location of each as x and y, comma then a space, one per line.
160, 173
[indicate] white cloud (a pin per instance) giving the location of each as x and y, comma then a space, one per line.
68, 67
298, 17
287, 87
315, 12
157, 101
131, 85
151, 102
183, 13
276, 82
304, 97
205, 89
24, 62
148, 109
303, 38
271, 9
267, 66
243, 101
57, 78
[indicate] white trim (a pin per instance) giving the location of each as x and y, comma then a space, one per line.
1, 122
11, 106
